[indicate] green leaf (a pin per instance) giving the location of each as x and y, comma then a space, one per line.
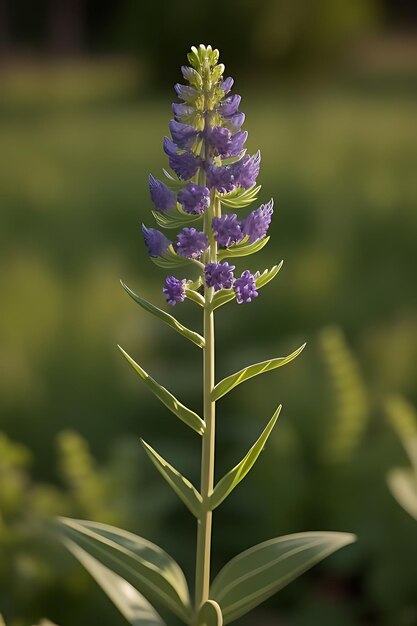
210, 614
221, 297
174, 219
243, 248
258, 573
267, 275
403, 485
170, 259
194, 296
132, 605
190, 418
239, 197
166, 317
232, 381
182, 486
141, 563
226, 485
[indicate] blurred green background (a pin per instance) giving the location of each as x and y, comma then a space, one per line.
329, 89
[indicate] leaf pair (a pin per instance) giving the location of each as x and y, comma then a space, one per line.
133, 572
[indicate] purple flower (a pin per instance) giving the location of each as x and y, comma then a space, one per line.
219, 275
181, 110
245, 171
227, 84
185, 92
236, 120
224, 143
182, 134
191, 75
191, 243
219, 137
256, 224
155, 241
174, 290
220, 177
162, 196
245, 288
194, 199
184, 165
227, 229
237, 142
229, 106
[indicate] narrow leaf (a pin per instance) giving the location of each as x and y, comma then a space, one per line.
226, 485
232, 381
181, 485
171, 259
131, 604
243, 248
258, 573
141, 563
166, 317
221, 297
190, 418
403, 485
268, 275
174, 219
240, 198
194, 296
210, 614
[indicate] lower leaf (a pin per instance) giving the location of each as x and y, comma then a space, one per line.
258, 573
131, 604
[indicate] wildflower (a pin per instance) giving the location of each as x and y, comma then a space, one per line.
256, 224
182, 134
245, 171
245, 288
219, 275
184, 164
227, 229
227, 84
229, 106
236, 120
174, 290
194, 198
155, 241
186, 93
181, 110
224, 143
191, 243
162, 196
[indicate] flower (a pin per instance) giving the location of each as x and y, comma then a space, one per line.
224, 143
245, 171
191, 243
181, 110
185, 164
227, 229
155, 241
194, 198
256, 224
227, 84
185, 92
235, 121
219, 275
182, 134
174, 290
245, 287
220, 177
162, 196
229, 106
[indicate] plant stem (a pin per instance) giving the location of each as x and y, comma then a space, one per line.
208, 443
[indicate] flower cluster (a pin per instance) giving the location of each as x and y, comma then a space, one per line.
205, 131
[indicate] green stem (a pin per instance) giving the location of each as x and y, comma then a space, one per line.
208, 444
